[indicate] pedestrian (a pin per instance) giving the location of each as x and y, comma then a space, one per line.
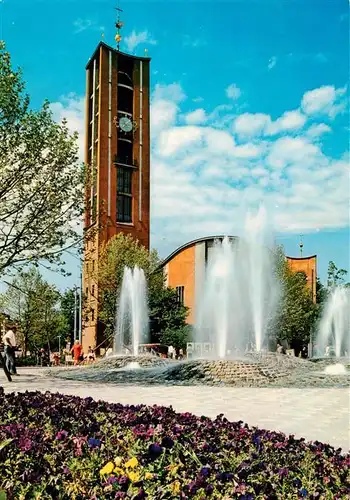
91, 355
77, 351
56, 358
9, 340
170, 352
279, 349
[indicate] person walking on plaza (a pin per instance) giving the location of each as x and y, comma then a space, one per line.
171, 352
9, 341
77, 351
91, 355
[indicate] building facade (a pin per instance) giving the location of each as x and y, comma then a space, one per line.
117, 155
184, 270
308, 266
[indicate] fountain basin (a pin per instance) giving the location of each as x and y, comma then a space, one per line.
336, 369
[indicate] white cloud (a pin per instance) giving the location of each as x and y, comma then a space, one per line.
81, 25
164, 106
288, 150
272, 62
163, 115
218, 141
318, 129
201, 177
172, 140
172, 92
290, 120
72, 108
251, 124
233, 92
258, 124
248, 150
209, 176
196, 117
324, 100
137, 38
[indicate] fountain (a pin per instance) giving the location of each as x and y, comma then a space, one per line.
132, 319
239, 298
335, 324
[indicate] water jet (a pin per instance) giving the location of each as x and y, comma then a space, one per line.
132, 319
238, 301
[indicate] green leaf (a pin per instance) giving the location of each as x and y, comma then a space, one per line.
3, 445
41, 181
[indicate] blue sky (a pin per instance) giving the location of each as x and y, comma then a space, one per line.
249, 104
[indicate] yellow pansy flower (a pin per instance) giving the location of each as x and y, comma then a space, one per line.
173, 469
118, 470
148, 475
118, 461
132, 463
107, 469
134, 476
175, 487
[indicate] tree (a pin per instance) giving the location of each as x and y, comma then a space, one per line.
297, 312
167, 317
166, 313
117, 253
335, 276
321, 292
33, 304
67, 309
41, 182
177, 337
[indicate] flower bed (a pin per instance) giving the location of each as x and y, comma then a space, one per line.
55, 446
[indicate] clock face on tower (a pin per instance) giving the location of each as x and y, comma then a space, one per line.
125, 124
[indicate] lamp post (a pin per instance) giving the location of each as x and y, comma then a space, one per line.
59, 343
75, 313
80, 308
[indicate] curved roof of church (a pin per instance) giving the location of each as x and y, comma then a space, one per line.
194, 242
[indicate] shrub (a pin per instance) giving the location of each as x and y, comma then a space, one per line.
28, 361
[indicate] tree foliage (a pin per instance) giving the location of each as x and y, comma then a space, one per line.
297, 311
67, 308
117, 253
335, 276
41, 182
178, 337
168, 317
34, 305
166, 313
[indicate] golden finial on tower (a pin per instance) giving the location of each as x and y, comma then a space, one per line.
301, 244
146, 52
102, 36
119, 26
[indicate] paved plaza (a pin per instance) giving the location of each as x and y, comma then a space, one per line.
316, 414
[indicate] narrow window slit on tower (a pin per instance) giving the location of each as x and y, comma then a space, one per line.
124, 194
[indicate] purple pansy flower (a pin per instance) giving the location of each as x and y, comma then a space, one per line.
94, 443
61, 435
155, 450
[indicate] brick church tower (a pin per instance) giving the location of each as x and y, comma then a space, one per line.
117, 155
